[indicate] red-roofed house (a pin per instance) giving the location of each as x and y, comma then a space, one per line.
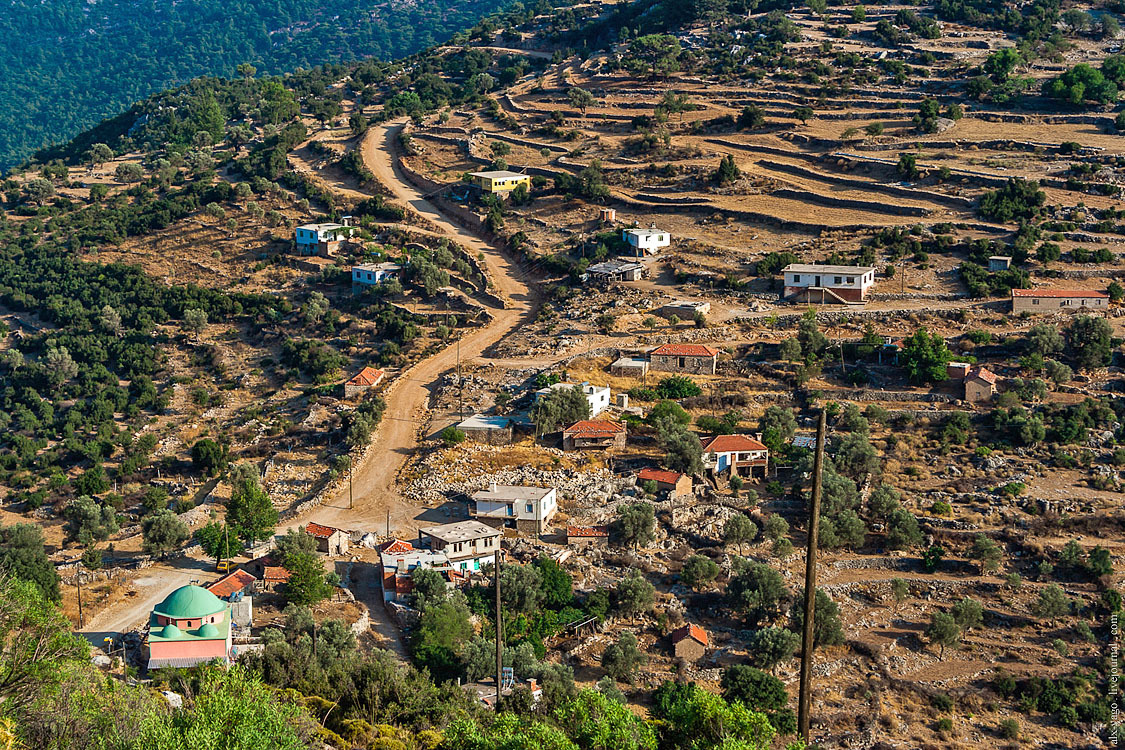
232, 583
396, 547
594, 433
1049, 300
690, 642
672, 482
329, 540
273, 576
694, 358
741, 454
587, 536
366, 378
980, 385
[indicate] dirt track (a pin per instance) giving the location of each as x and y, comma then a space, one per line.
374, 485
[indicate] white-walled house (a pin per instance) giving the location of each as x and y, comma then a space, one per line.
646, 241
527, 509
467, 544
597, 396
846, 285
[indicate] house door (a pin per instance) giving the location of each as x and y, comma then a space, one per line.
816, 281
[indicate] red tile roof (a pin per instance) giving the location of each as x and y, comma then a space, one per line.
690, 631
368, 376
685, 350
273, 573
983, 373
1058, 293
732, 444
320, 531
396, 547
659, 475
595, 428
231, 583
587, 531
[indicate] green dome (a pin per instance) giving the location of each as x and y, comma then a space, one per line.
208, 631
190, 602
170, 631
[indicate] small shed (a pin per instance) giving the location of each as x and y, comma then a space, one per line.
630, 366
685, 309
673, 483
273, 577
607, 215
594, 433
999, 262
615, 270
484, 428
690, 643
329, 540
957, 370
980, 385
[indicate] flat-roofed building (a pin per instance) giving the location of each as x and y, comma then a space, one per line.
827, 284
500, 182
644, 242
527, 509
467, 544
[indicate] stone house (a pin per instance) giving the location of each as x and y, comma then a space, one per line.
330, 541
1050, 300
980, 385
587, 536
689, 643
673, 483
363, 380
485, 428
698, 359
594, 433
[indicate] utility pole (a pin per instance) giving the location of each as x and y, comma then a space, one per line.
351, 482
499, 629
810, 587
460, 386
388, 523
78, 578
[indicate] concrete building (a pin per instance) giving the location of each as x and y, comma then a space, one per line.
527, 509
636, 367
483, 428
999, 262
847, 285
370, 274
1050, 300
615, 270
322, 239
599, 397
399, 560
957, 370
672, 483
594, 433
363, 380
738, 454
689, 643
330, 541
500, 182
587, 536
467, 544
980, 385
697, 359
644, 242
685, 309
191, 626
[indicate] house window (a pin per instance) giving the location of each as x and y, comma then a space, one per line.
839, 280
851, 279
796, 278
528, 508
1035, 301
683, 361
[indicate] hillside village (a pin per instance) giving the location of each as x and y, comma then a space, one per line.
581, 318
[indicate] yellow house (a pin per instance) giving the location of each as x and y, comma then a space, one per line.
500, 183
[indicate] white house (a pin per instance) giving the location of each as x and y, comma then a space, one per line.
598, 396
740, 454
528, 509
646, 241
370, 274
322, 239
467, 544
846, 285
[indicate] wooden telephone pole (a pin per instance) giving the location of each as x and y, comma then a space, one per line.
805, 696
499, 630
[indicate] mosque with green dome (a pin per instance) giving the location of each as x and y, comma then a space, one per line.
191, 626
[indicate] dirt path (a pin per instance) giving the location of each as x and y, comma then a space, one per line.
152, 585
375, 493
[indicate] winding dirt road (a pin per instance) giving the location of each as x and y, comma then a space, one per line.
375, 492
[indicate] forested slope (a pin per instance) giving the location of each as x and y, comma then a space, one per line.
67, 64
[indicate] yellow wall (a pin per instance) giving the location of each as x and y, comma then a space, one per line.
508, 185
